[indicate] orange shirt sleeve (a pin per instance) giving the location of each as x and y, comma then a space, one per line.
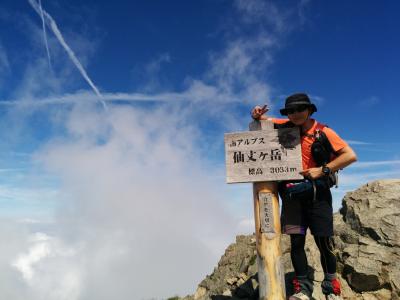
279, 121
336, 141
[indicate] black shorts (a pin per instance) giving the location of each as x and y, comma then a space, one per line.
300, 213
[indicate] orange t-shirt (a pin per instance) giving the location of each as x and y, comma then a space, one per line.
306, 141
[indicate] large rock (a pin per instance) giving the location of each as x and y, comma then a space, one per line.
235, 275
367, 244
373, 211
368, 238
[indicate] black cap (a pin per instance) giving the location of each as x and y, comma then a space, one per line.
296, 100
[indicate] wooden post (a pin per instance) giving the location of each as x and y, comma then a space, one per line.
271, 276
268, 236
265, 155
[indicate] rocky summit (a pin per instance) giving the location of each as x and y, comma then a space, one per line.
366, 240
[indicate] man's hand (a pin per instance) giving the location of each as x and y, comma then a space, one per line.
313, 173
258, 111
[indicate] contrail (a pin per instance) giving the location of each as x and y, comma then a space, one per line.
85, 96
167, 97
53, 26
45, 34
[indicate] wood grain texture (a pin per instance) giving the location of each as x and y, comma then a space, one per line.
269, 257
268, 231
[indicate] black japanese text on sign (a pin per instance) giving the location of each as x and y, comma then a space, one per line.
265, 155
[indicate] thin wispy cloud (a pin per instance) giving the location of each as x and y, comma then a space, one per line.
196, 92
302, 7
53, 26
151, 77
256, 11
154, 66
350, 180
10, 170
370, 164
270, 16
45, 34
354, 177
354, 142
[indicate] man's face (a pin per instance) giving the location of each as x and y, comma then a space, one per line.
299, 114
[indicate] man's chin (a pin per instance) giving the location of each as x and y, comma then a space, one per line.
298, 122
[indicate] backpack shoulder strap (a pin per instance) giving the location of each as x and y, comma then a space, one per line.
321, 136
319, 130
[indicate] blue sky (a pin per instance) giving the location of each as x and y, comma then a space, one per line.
174, 76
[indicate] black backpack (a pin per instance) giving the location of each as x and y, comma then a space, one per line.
322, 152
321, 149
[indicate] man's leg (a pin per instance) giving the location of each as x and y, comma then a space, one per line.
321, 225
326, 249
330, 285
294, 223
302, 285
298, 254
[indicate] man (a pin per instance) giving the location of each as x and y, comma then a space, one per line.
308, 203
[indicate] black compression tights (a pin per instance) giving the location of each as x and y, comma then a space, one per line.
299, 258
298, 255
328, 258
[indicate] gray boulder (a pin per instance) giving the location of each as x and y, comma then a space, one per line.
367, 248
368, 238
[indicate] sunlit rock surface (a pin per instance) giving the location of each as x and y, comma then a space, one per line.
368, 251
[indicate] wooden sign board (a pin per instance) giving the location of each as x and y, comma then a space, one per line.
263, 155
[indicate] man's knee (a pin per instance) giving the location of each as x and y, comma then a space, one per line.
297, 241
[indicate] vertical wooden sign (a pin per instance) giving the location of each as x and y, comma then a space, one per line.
271, 276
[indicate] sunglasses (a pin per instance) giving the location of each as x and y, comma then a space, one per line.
295, 109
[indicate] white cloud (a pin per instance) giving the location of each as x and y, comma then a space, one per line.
37, 79
381, 163
246, 226
35, 194
235, 69
361, 173
141, 213
23, 199
15, 238
137, 208
153, 67
271, 16
353, 142
142, 193
24, 263
9, 170
150, 74
49, 21
257, 11
49, 268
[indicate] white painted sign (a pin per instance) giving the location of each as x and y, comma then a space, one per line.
263, 155
266, 213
